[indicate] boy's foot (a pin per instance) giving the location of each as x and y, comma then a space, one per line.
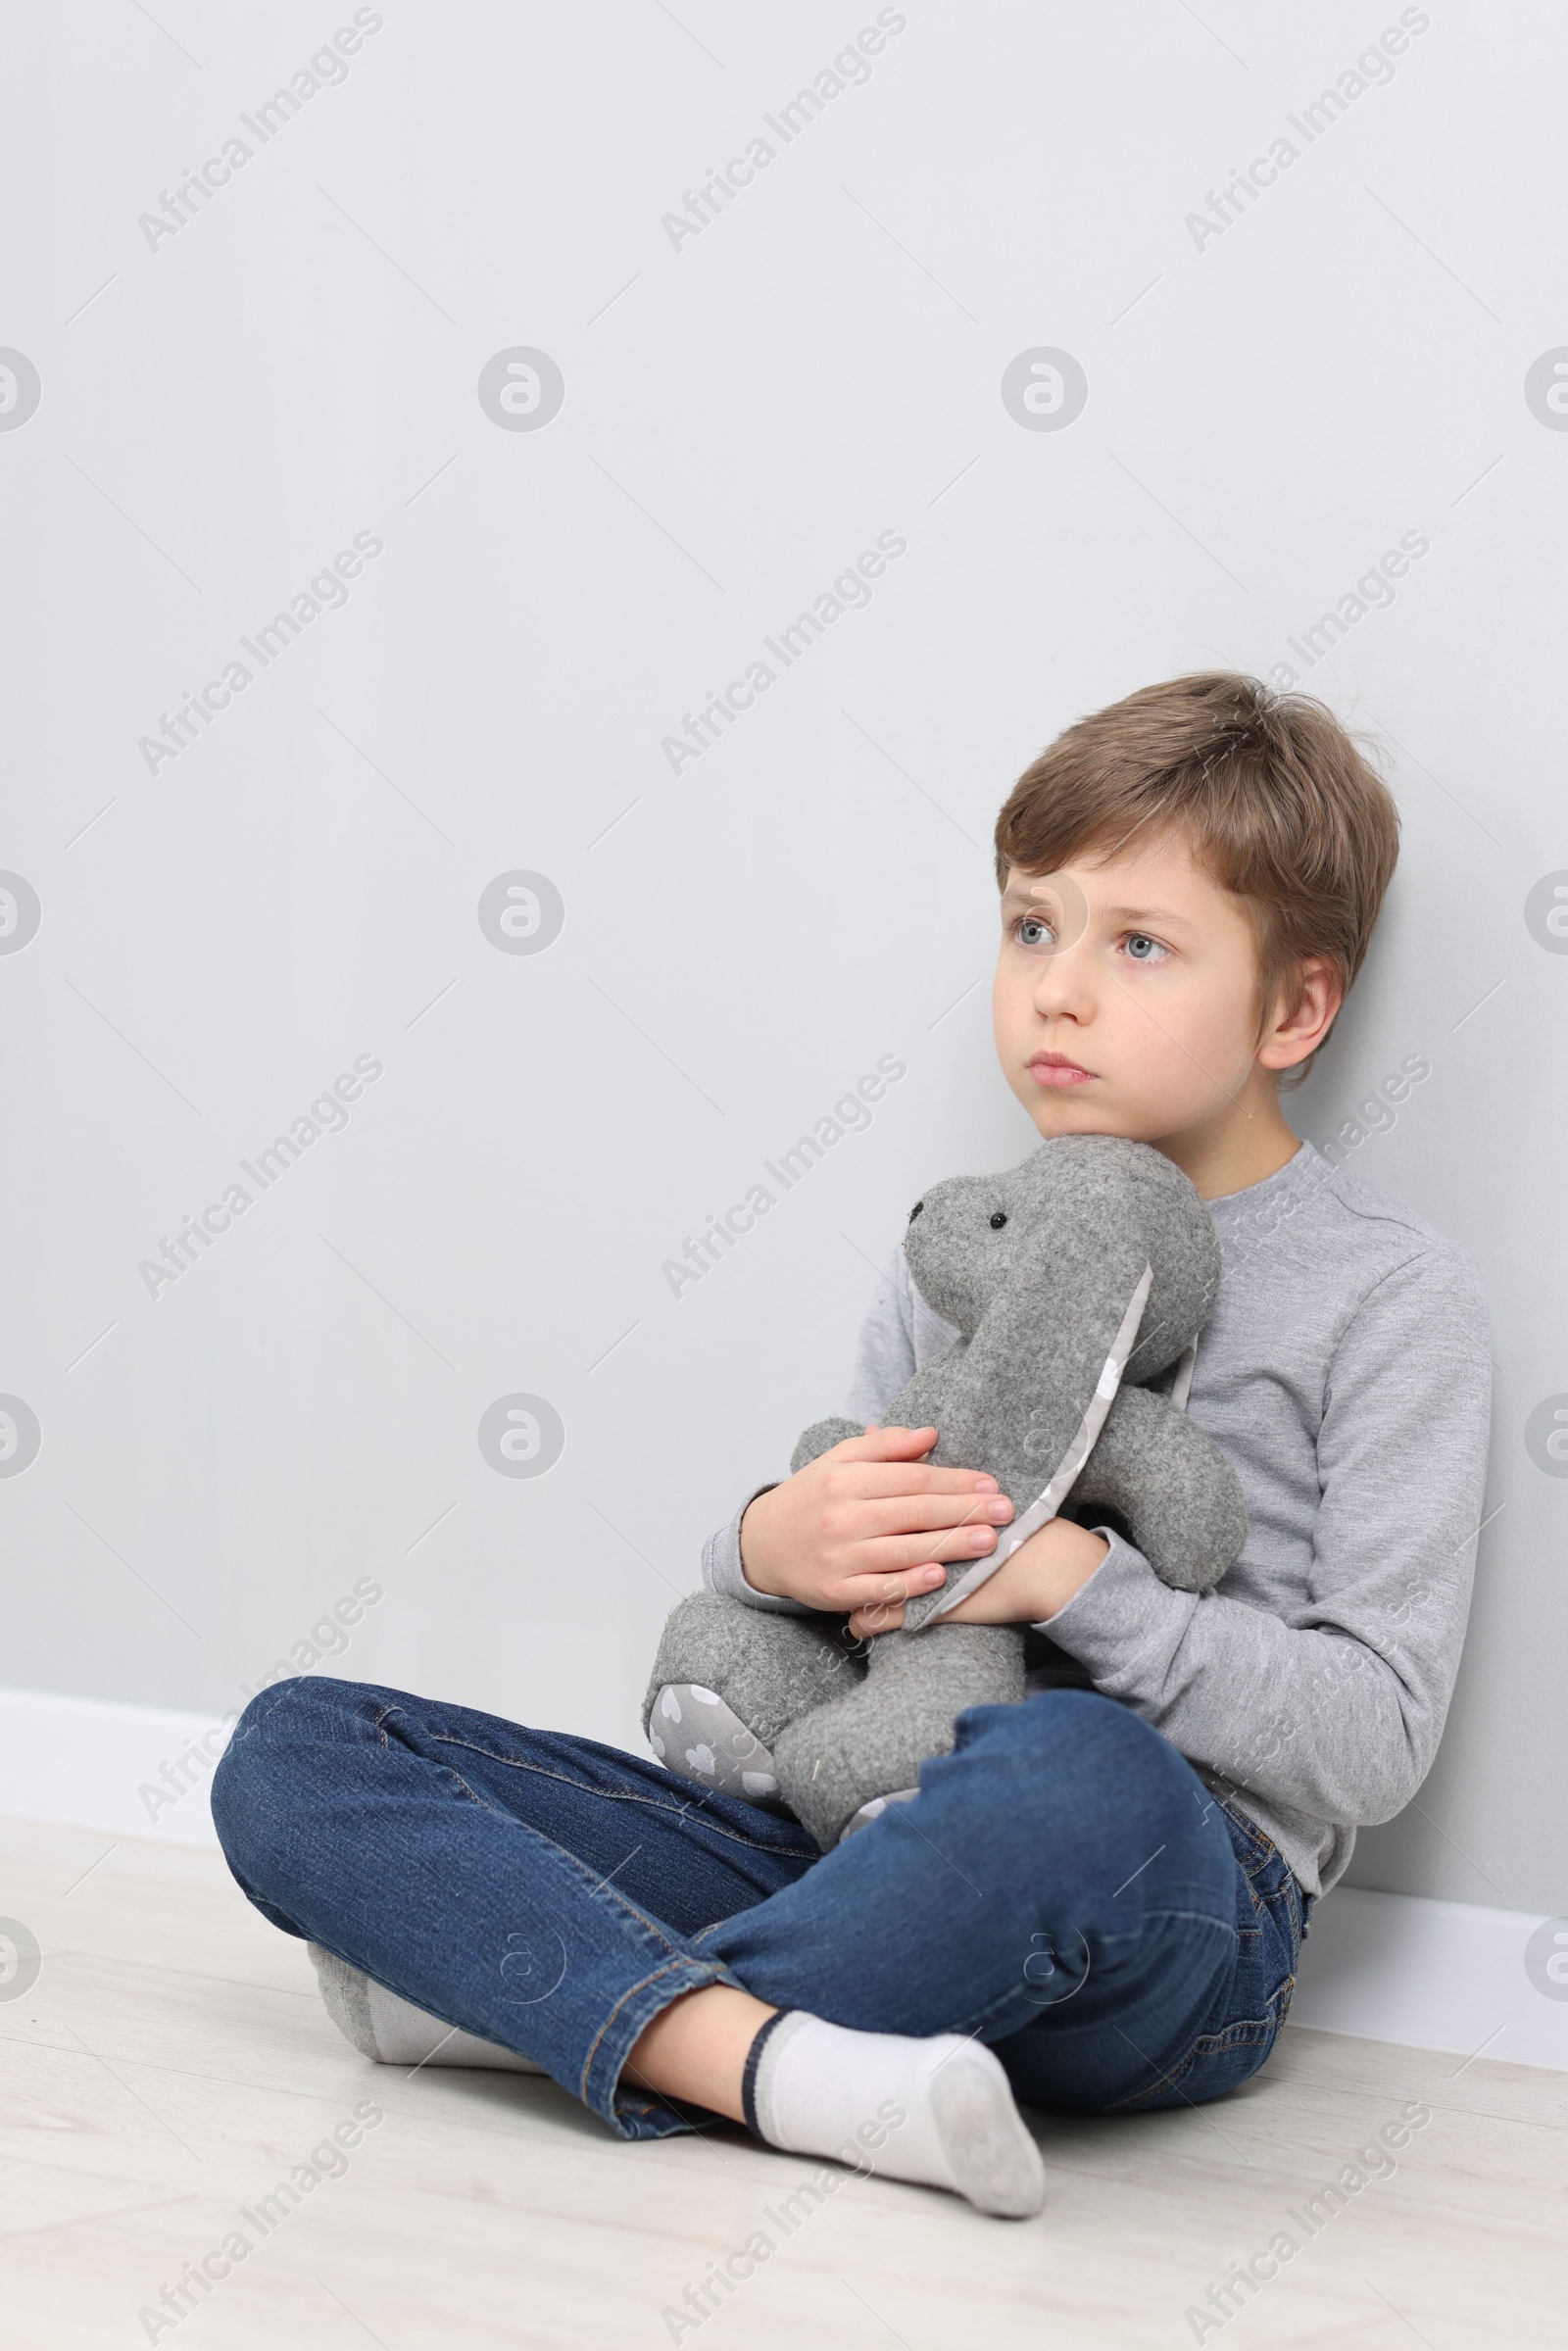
393, 2031
938, 2111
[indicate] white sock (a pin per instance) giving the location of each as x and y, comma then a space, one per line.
938, 2111
382, 2024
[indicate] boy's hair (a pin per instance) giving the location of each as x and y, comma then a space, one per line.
1276, 801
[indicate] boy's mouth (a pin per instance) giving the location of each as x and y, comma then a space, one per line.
1055, 1070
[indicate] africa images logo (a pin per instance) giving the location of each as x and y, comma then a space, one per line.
1545, 388
20, 389
20, 1436
20, 912
522, 1435
1044, 389
521, 388
521, 912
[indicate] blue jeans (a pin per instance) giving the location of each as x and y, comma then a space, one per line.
1063, 1887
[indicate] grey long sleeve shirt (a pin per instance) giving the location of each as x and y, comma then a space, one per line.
1345, 1371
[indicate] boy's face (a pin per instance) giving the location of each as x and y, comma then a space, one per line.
1126, 997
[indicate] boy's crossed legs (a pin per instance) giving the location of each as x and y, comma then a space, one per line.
1063, 1890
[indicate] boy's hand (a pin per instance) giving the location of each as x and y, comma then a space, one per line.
863, 1524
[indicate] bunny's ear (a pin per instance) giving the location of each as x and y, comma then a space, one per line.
1080, 1445
1093, 1419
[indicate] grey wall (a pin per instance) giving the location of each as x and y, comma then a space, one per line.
1271, 406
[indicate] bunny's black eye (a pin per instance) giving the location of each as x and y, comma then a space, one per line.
916, 1210
997, 1221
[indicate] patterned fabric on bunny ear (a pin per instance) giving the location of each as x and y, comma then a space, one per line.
1047, 1503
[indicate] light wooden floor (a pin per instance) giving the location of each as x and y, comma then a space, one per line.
172, 2062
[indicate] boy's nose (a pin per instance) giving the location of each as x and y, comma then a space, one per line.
1062, 988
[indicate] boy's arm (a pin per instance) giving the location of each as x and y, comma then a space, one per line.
1336, 1706
721, 1563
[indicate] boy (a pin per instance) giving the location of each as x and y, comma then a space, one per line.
1095, 1902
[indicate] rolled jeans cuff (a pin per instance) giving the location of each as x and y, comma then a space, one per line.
632, 2112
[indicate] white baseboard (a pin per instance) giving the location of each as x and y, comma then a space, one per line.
94, 1763
1386, 1967
1432, 1974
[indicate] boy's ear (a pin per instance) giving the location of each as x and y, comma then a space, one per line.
1295, 1032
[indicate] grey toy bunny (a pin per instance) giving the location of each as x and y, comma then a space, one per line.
1075, 1280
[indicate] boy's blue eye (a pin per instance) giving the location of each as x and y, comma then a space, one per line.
1033, 922
1142, 949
